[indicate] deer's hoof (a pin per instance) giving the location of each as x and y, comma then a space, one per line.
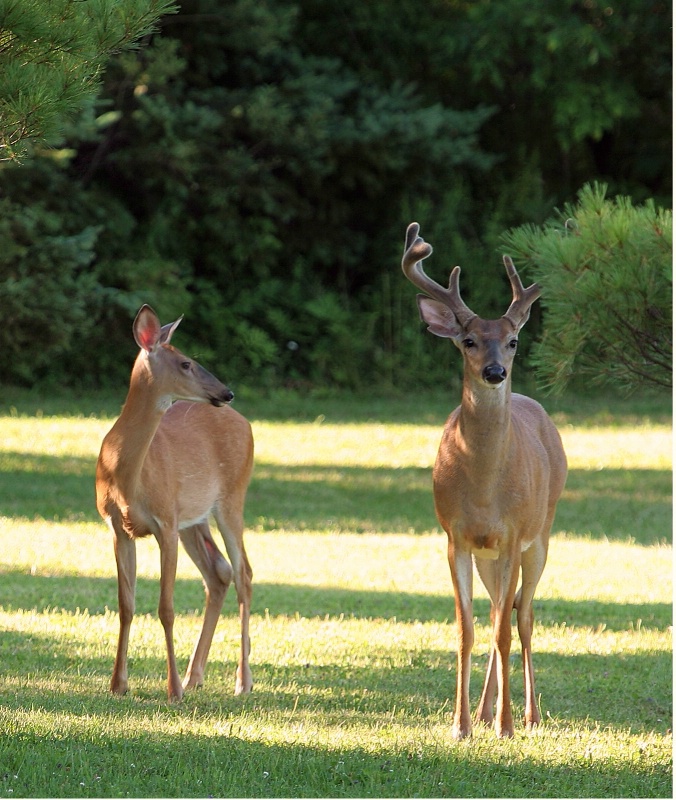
243, 684
175, 694
192, 682
460, 732
119, 687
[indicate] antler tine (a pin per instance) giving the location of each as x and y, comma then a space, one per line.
463, 313
417, 249
522, 299
411, 235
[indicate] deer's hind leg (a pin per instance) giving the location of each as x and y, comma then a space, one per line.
500, 578
167, 540
216, 575
485, 709
230, 521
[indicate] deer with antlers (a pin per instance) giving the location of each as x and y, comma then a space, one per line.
499, 473
164, 467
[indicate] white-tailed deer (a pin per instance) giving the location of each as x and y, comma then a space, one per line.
164, 467
498, 476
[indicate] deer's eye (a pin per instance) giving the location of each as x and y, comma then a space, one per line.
468, 343
186, 365
513, 343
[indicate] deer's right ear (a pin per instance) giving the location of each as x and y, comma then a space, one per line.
146, 328
440, 319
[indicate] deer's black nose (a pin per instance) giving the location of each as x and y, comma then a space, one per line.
223, 398
494, 373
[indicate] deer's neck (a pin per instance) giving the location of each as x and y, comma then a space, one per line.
484, 429
132, 434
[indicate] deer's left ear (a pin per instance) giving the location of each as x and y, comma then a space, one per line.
440, 319
168, 331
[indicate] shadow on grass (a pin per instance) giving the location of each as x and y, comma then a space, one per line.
574, 688
72, 593
233, 759
58, 488
156, 764
106, 747
615, 504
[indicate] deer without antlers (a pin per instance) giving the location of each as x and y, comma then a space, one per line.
499, 473
163, 468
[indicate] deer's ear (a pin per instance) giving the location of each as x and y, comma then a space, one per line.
168, 330
146, 328
440, 319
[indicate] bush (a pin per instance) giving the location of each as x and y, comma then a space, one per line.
605, 267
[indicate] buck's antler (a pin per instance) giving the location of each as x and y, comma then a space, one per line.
522, 299
416, 249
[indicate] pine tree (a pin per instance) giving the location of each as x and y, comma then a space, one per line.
605, 267
52, 53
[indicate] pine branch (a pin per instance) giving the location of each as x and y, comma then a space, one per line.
52, 54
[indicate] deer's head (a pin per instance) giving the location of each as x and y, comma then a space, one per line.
173, 374
488, 346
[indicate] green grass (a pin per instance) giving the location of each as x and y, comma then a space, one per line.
352, 629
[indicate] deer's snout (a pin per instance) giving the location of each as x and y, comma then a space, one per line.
222, 398
494, 373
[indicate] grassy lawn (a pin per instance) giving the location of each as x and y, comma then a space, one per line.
352, 630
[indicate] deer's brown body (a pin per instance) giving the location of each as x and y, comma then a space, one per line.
163, 469
499, 473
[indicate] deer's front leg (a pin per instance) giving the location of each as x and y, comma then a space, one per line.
125, 557
532, 564
461, 572
244, 680
168, 542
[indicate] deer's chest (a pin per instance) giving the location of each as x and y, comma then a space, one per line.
483, 529
486, 511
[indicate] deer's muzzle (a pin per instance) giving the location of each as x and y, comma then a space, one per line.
222, 398
494, 373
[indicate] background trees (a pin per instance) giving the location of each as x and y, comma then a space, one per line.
255, 166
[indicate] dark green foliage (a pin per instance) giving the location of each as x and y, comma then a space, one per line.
580, 85
256, 165
45, 290
606, 271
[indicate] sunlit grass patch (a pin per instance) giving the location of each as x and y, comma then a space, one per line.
648, 447
353, 635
